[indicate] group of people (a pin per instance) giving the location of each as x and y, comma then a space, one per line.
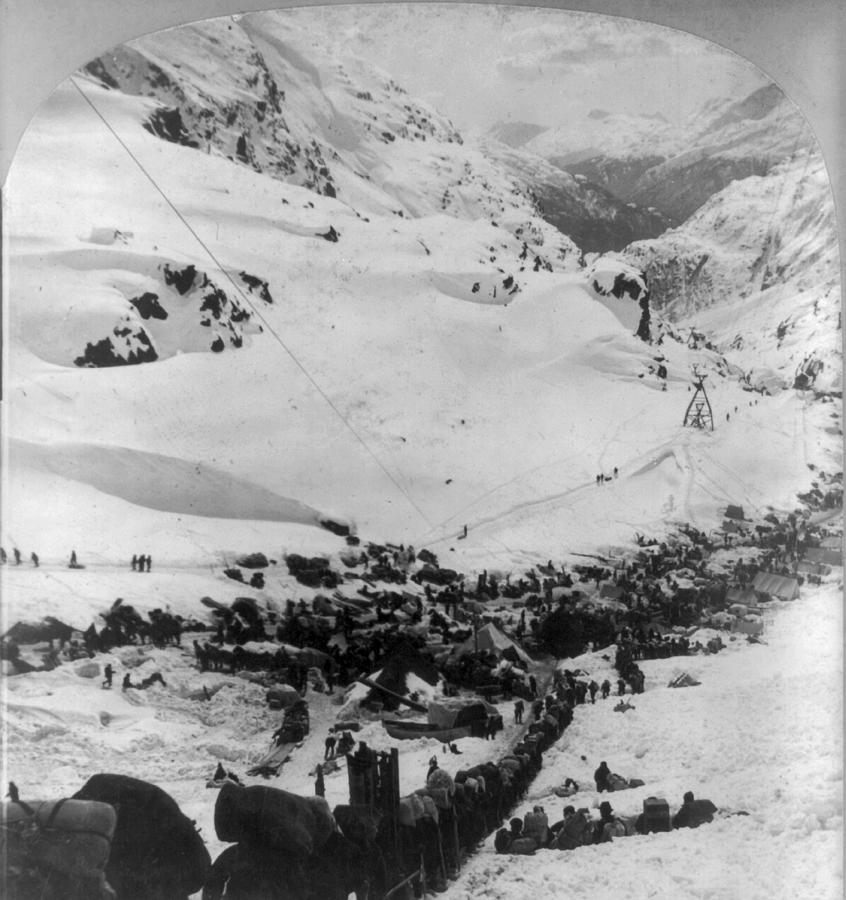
602, 477
109, 674
578, 828
33, 558
141, 563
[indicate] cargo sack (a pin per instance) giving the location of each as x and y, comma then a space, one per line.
575, 831
360, 824
536, 825
69, 836
156, 847
438, 778
692, 815
270, 817
406, 812
523, 845
502, 841
655, 816
617, 783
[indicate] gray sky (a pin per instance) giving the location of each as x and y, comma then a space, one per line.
479, 64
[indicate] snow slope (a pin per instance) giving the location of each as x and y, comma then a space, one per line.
761, 734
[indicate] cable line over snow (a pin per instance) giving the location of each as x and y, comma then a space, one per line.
300, 365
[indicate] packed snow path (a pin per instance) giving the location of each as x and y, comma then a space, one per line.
760, 734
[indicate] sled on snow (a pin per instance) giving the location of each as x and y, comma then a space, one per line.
270, 764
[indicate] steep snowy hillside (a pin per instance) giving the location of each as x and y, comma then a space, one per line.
757, 270
676, 169
266, 93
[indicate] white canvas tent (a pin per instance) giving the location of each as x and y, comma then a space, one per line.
776, 586
491, 638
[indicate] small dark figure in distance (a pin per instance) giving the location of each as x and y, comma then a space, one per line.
593, 687
134, 562
17, 556
109, 674
518, 712
330, 746
127, 682
606, 689
34, 558
73, 562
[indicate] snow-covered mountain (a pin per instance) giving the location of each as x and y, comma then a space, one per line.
263, 92
756, 268
675, 168
409, 345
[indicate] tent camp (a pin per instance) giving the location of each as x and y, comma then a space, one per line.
777, 586
827, 556
744, 596
812, 568
454, 713
734, 512
491, 638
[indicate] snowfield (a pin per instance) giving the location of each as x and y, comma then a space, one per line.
338, 311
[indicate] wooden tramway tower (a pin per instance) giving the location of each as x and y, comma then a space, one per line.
698, 413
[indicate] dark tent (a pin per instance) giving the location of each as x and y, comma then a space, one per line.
734, 512
405, 660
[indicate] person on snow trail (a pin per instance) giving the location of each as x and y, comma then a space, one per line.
109, 673
593, 687
34, 557
609, 825
17, 554
518, 712
601, 776
73, 559
606, 689
329, 745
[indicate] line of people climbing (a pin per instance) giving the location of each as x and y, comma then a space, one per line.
34, 558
